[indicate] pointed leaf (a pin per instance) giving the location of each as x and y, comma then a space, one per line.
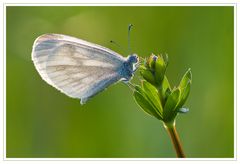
184, 95
185, 79
145, 105
165, 84
167, 93
164, 90
152, 94
171, 104
146, 96
143, 93
184, 86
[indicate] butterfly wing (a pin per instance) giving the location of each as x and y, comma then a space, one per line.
75, 67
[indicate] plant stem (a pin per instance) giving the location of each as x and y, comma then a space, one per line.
171, 129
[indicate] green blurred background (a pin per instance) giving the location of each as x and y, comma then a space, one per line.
42, 122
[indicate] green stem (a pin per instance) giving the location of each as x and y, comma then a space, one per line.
171, 129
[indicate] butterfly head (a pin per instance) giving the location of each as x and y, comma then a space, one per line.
133, 59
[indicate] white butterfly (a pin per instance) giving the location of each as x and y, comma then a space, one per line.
78, 68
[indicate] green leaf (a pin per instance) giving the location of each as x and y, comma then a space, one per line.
166, 88
146, 96
152, 94
185, 79
184, 95
167, 93
144, 104
184, 86
171, 104
165, 84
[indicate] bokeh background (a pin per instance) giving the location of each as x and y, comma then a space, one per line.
42, 122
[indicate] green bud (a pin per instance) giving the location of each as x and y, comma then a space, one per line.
147, 75
152, 62
160, 68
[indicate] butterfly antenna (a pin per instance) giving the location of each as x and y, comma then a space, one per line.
129, 29
116, 44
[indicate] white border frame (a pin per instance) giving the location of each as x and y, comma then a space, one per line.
119, 4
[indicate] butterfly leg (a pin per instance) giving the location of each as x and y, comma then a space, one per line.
83, 100
130, 85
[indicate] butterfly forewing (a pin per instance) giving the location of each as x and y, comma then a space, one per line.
77, 68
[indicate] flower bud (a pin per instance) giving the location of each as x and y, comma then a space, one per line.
160, 69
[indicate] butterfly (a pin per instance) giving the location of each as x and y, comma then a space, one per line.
78, 68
